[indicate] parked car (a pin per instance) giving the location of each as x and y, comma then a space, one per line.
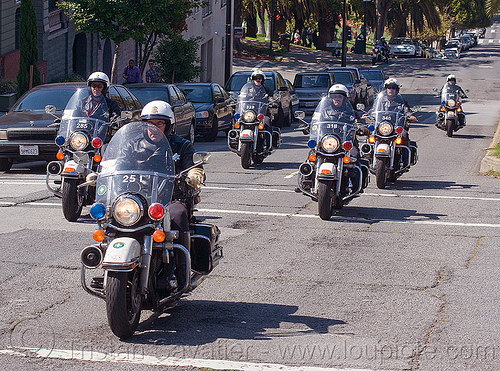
403, 47
213, 105
346, 78
452, 49
25, 131
282, 109
376, 78
311, 87
184, 112
363, 88
293, 97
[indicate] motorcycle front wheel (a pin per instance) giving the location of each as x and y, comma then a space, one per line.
246, 152
450, 125
72, 203
325, 200
123, 302
381, 173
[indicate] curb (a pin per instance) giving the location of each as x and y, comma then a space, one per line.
491, 162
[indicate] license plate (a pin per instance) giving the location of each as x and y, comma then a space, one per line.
28, 150
310, 104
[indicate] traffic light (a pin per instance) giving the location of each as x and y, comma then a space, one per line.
278, 17
348, 33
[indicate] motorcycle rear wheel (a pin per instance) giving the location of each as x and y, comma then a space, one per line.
245, 151
450, 125
123, 302
325, 200
72, 202
381, 173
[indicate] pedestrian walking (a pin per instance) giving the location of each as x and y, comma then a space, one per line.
152, 75
132, 73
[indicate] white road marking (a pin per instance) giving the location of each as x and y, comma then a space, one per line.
161, 361
292, 175
353, 219
490, 41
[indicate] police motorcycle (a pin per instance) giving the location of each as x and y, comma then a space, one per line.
386, 149
450, 111
332, 174
251, 138
134, 258
81, 136
379, 53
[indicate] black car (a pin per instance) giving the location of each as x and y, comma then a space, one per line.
363, 88
376, 78
282, 110
214, 108
184, 112
25, 131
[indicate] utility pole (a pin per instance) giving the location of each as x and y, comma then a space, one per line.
344, 36
271, 24
229, 49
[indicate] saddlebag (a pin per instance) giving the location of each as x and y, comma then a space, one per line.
205, 249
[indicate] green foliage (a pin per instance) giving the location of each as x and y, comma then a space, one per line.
470, 13
7, 86
28, 48
496, 150
177, 59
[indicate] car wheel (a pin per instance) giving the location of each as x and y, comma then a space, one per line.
212, 135
5, 164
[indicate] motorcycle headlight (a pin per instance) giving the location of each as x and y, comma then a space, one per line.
128, 210
249, 116
451, 103
78, 141
385, 128
330, 144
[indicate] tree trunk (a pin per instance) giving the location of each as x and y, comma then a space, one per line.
261, 29
381, 8
114, 71
268, 24
251, 26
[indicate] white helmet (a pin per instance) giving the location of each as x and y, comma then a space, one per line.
392, 81
159, 110
258, 73
451, 77
339, 89
99, 77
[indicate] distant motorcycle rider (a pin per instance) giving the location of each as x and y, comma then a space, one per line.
451, 87
160, 114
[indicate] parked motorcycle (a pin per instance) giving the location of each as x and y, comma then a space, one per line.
251, 138
80, 139
134, 257
450, 113
386, 147
332, 175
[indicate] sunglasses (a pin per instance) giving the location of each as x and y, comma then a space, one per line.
338, 96
392, 87
98, 86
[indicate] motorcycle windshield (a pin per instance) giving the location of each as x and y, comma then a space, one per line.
389, 110
252, 98
138, 160
85, 113
449, 92
327, 119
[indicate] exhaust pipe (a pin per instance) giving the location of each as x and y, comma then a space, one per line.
91, 256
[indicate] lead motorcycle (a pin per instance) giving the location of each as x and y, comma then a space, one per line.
80, 140
450, 112
332, 175
251, 138
134, 257
387, 148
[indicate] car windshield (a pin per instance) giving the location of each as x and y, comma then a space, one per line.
197, 93
402, 41
343, 77
308, 81
373, 74
237, 81
38, 99
147, 94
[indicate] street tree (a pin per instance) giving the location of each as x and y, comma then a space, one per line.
121, 20
177, 59
28, 48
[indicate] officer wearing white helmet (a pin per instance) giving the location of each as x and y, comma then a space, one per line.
99, 86
451, 87
160, 114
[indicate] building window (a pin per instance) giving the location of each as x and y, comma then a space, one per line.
206, 11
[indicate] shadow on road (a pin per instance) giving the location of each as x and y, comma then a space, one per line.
199, 322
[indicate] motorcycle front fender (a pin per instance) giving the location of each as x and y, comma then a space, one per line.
246, 135
382, 150
327, 171
122, 254
72, 169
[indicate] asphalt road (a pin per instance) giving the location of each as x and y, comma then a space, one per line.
401, 278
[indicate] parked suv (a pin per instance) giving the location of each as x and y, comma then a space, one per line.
25, 131
310, 88
282, 109
363, 89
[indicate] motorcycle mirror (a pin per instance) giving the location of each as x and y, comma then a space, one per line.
201, 156
127, 115
300, 115
467, 90
360, 107
50, 109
